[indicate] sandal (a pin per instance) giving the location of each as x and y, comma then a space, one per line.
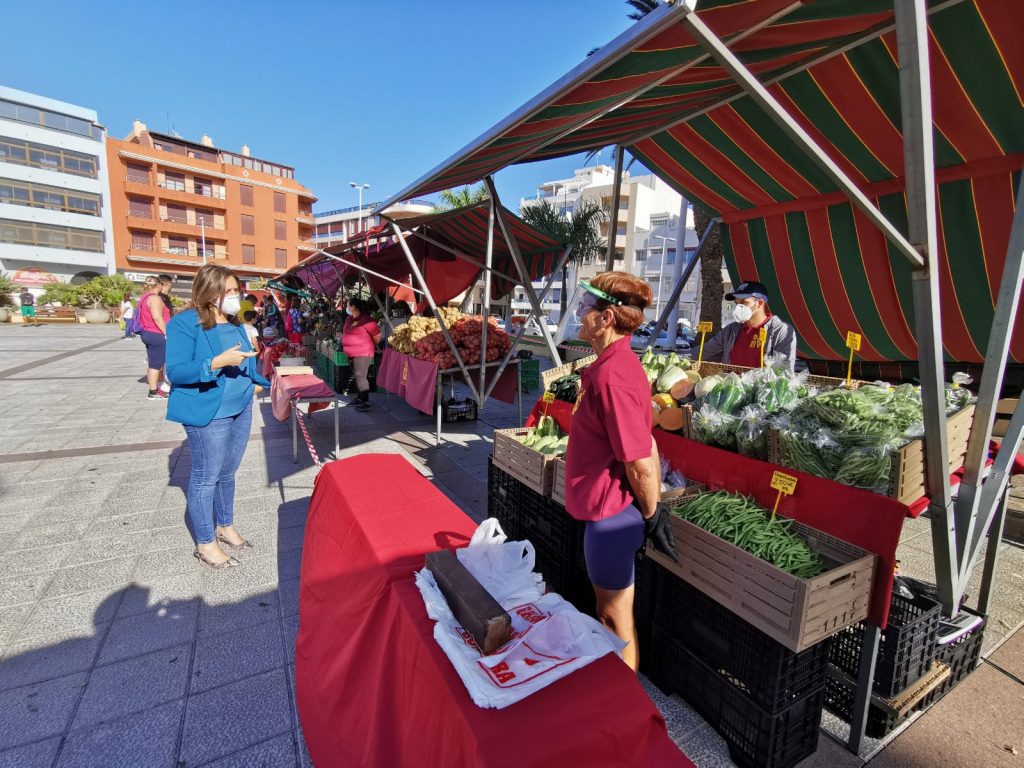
244, 544
229, 563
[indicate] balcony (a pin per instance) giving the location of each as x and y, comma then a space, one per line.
137, 178
173, 191
305, 218
308, 245
148, 215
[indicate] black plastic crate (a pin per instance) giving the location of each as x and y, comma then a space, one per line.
551, 528
839, 699
503, 500
907, 646
458, 410
756, 737
769, 673
961, 656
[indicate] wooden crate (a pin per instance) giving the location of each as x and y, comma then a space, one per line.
552, 374
1004, 410
534, 469
708, 368
906, 471
796, 612
558, 482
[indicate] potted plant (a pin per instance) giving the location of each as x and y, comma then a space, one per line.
6, 302
61, 294
104, 294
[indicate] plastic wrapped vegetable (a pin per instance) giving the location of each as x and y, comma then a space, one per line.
715, 428
866, 468
752, 433
957, 394
775, 395
728, 395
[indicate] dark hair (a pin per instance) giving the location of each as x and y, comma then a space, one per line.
634, 293
250, 316
362, 305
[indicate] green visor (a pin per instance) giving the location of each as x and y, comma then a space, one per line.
599, 293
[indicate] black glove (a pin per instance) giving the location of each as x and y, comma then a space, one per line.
658, 529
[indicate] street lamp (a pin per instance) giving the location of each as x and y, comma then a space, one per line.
360, 187
661, 269
202, 235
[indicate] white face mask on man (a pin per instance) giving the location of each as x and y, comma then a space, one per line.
742, 313
231, 305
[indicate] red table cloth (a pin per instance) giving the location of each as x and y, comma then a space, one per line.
284, 389
415, 380
375, 689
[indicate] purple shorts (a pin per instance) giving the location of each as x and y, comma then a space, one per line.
610, 546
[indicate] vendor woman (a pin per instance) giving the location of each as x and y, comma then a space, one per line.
739, 343
613, 474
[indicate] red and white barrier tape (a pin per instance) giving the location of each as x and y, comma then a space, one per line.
305, 436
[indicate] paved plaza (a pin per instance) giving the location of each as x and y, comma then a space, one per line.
119, 650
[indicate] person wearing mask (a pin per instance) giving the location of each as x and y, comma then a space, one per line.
28, 308
154, 313
612, 468
212, 368
127, 310
361, 334
739, 343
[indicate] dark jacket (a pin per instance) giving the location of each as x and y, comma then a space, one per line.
196, 392
781, 340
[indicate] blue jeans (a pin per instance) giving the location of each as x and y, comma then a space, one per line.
217, 450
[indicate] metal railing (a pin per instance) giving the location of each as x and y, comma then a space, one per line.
174, 186
139, 214
136, 179
175, 219
175, 250
371, 206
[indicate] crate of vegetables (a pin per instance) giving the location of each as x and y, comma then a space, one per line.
529, 454
558, 481
793, 582
553, 374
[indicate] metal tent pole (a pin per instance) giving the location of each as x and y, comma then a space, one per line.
418, 276
524, 273
454, 251
613, 226
919, 164
967, 508
760, 95
683, 278
486, 303
995, 539
865, 681
677, 272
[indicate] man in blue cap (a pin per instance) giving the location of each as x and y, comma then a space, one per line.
739, 343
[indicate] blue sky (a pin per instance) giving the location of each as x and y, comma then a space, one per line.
370, 92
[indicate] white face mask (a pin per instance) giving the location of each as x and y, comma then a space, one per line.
231, 305
742, 313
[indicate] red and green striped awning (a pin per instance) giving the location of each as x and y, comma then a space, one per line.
833, 65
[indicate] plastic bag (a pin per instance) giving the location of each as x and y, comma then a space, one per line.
712, 427
752, 433
504, 568
866, 468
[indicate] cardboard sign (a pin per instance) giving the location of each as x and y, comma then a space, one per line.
783, 482
853, 341
705, 326
549, 397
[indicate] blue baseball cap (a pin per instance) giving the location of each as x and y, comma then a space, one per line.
748, 289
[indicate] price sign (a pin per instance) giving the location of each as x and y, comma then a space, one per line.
762, 338
853, 344
703, 328
784, 484
549, 397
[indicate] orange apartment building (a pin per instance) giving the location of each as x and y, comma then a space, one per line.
169, 195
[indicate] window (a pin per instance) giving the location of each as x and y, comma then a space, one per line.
142, 241
246, 194
203, 187
177, 245
140, 208
52, 120
556, 294
138, 174
279, 204
15, 192
248, 224
280, 230
205, 217
671, 257
641, 255
248, 254
175, 181
50, 236
280, 257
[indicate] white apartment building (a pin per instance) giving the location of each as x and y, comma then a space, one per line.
655, 258
338, 226
55, 220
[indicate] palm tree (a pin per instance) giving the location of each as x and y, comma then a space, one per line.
642, 7
580, 229
460, 198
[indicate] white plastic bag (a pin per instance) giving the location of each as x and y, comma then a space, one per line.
550, 638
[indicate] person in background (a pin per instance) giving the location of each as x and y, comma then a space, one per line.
248, 304
612, 468
150, 284
213, 369
250, 328
28, 307
127, 310
154, 313
739, 343
361, 334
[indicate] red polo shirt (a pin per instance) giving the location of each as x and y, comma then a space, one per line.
746, 351
611, 426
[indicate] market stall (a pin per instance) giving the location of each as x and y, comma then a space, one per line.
372, 685
867, 200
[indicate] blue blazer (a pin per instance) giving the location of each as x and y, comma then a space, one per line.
197, 390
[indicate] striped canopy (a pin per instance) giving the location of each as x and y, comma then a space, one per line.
463, 230
833, 65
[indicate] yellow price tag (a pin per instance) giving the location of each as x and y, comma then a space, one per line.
853, 341
762, 338
705, 326
549, 397
784, 484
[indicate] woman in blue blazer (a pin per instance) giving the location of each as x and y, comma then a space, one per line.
212, 369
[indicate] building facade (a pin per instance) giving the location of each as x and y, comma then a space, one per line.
177, 204
340, 225
55, 221
655, 257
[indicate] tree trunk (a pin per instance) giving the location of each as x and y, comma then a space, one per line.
711, 293
564, 299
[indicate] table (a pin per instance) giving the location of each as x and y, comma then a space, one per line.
287, 392
373, 687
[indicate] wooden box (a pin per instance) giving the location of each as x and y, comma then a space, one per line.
796, 612
534, 469
707, 368
558, 481
552, 374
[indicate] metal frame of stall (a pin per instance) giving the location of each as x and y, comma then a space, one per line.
958, 528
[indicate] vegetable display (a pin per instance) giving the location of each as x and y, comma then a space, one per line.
566, 388
738, 520
422, 337
546, 438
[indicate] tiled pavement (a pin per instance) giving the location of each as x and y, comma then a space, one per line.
117, 650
